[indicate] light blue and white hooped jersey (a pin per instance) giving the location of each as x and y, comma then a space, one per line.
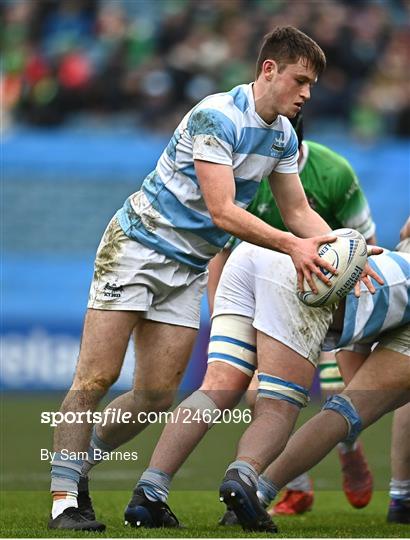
169, 213
370, 315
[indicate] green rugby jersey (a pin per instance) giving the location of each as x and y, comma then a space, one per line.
331, 187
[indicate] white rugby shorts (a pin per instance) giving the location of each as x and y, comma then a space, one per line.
129, 276
261, 284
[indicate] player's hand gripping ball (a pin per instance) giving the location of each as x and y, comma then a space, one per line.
348, 254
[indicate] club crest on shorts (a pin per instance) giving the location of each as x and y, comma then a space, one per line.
112, 290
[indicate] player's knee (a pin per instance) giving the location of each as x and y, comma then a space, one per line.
153, 400
280, 389
100, 383
344, 406
201, 407
250, 398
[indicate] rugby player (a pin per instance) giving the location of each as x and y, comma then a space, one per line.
150, 268
380, 385
351, 359
357, 479
254, 303
399, 507
334, 191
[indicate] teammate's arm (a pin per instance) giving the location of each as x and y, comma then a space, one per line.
218, 188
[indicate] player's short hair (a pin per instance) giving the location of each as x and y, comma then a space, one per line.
297, 123
286, 45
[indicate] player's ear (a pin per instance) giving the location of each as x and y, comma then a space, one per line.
269, 68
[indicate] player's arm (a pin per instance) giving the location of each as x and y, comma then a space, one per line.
218, 188
302, 220
215, 267
294, 208
262, 206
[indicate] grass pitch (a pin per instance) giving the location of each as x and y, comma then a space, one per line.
25, 515
25, 501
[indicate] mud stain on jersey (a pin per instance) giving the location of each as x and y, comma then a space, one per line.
209, 124
142, 209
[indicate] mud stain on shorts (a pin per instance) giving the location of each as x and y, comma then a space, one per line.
107, 255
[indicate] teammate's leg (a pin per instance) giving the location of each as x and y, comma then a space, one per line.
372, 392
276, 410
230, 367
298, 496
357, 480
284, 379
399, 508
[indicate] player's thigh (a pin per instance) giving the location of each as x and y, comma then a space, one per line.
162, 354
231, 357
285, 377
277, 359
103, 345
280, 315
381, 384
350, 361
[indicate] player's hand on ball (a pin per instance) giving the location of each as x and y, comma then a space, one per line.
368, 273
305, 257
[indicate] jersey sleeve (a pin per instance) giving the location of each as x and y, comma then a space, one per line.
213, 136
288, 163
352, 209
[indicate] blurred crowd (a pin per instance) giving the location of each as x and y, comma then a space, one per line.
150, 60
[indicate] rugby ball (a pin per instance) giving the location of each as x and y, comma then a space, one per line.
348, 254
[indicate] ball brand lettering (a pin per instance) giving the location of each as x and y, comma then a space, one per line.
350, 282
324, 249
348, 255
